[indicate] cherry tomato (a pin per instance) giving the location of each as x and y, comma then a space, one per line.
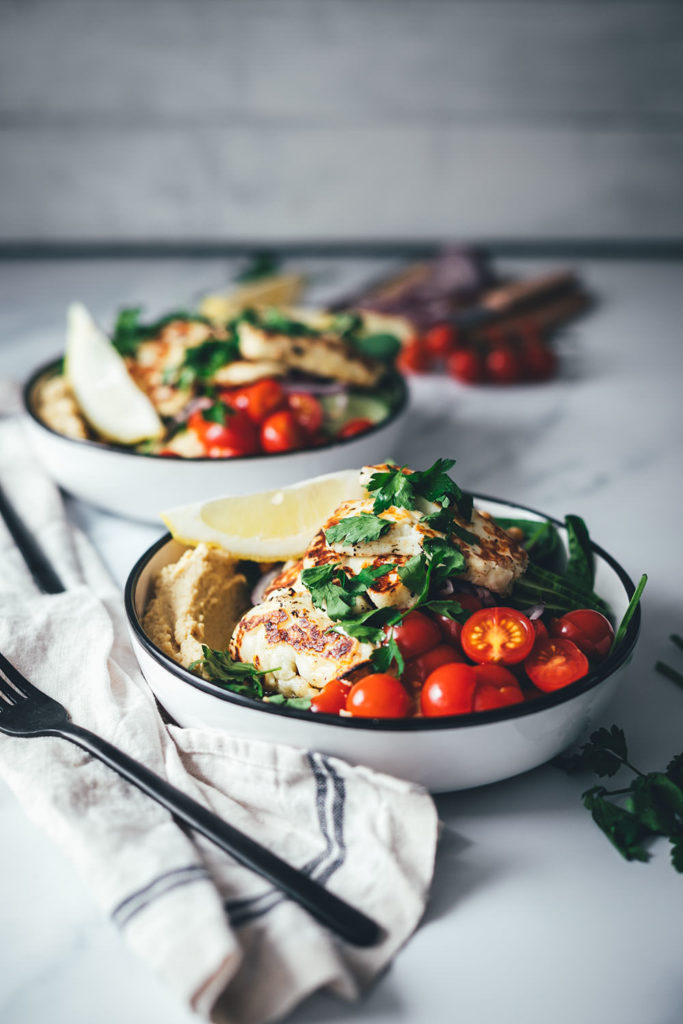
589, 630
237, 436
440, 340
538, 361
281, 432
332, 698
449, 690
307, 410
496, 687
169, 452
416, 634
417, 669
414, 357
466, 365
378, 695
497, 635
450, 629
470, 602
353, 427
257, 400
555, 663
540, 629
503, 365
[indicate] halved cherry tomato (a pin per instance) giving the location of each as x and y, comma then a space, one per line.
496, 687
414, 357
353, 427
258, 400
466, 365
417, 669
555, 663
470, 602
307, 410
440, 340
378, 695
416, 634
449, 690
497, 635
589, 630
332, 698
236, 436
281, 432
503, 365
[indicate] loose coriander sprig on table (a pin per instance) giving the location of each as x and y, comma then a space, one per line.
651, 805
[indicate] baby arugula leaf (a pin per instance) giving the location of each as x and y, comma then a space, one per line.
357, 529
581, 563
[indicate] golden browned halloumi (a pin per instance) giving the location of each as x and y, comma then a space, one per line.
324, 355
287, 635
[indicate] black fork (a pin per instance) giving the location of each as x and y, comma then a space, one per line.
27, 711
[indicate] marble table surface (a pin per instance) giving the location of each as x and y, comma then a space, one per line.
533, 916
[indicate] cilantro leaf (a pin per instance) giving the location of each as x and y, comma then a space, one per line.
383, 347
356, 529
334, 592
604, 753
201, 362
383, 657
300, 703
394, 487
129, 331
262, 264
414, 574
677, 852
657, 802
451, 608
369, 627
219, 412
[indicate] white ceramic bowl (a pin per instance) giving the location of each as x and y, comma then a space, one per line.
138, 485
449, 753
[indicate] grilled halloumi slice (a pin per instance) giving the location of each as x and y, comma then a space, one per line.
289, 636
325, 355
241, 372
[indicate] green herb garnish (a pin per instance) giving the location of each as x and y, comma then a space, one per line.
300, 703
356, 529
201, 362
262, 264
393, 487
650, 805
237, 676
336, 593
383, 347
554, 591
129, 331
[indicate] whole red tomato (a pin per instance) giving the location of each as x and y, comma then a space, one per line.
332, 698
416, 634
503, 365
589, 630
440, 340
378, 695
496, 687
281, 432
414, 357
418, 669
449, 690
307, 410
257, 400
466, 365
232, 433
353, 427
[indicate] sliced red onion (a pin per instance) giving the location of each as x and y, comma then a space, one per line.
535, 611
263, 583
201, 402
313, 386
486, 596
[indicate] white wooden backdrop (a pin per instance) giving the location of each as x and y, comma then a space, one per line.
312, 119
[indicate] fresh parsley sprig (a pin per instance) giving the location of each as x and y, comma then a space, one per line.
237, 676
394, 487
357, 529
650, 805
336, 593
129, 331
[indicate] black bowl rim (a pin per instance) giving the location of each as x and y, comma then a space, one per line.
539, 704
116, 449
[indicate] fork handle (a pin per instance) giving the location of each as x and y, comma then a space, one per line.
352, 925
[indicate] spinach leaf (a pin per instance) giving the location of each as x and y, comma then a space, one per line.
581, 564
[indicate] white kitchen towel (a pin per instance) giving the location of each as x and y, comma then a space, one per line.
233, 947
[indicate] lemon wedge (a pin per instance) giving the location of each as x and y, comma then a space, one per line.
275, 290
106, 393
269, 526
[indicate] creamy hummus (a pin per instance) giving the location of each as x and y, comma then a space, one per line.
197, 600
